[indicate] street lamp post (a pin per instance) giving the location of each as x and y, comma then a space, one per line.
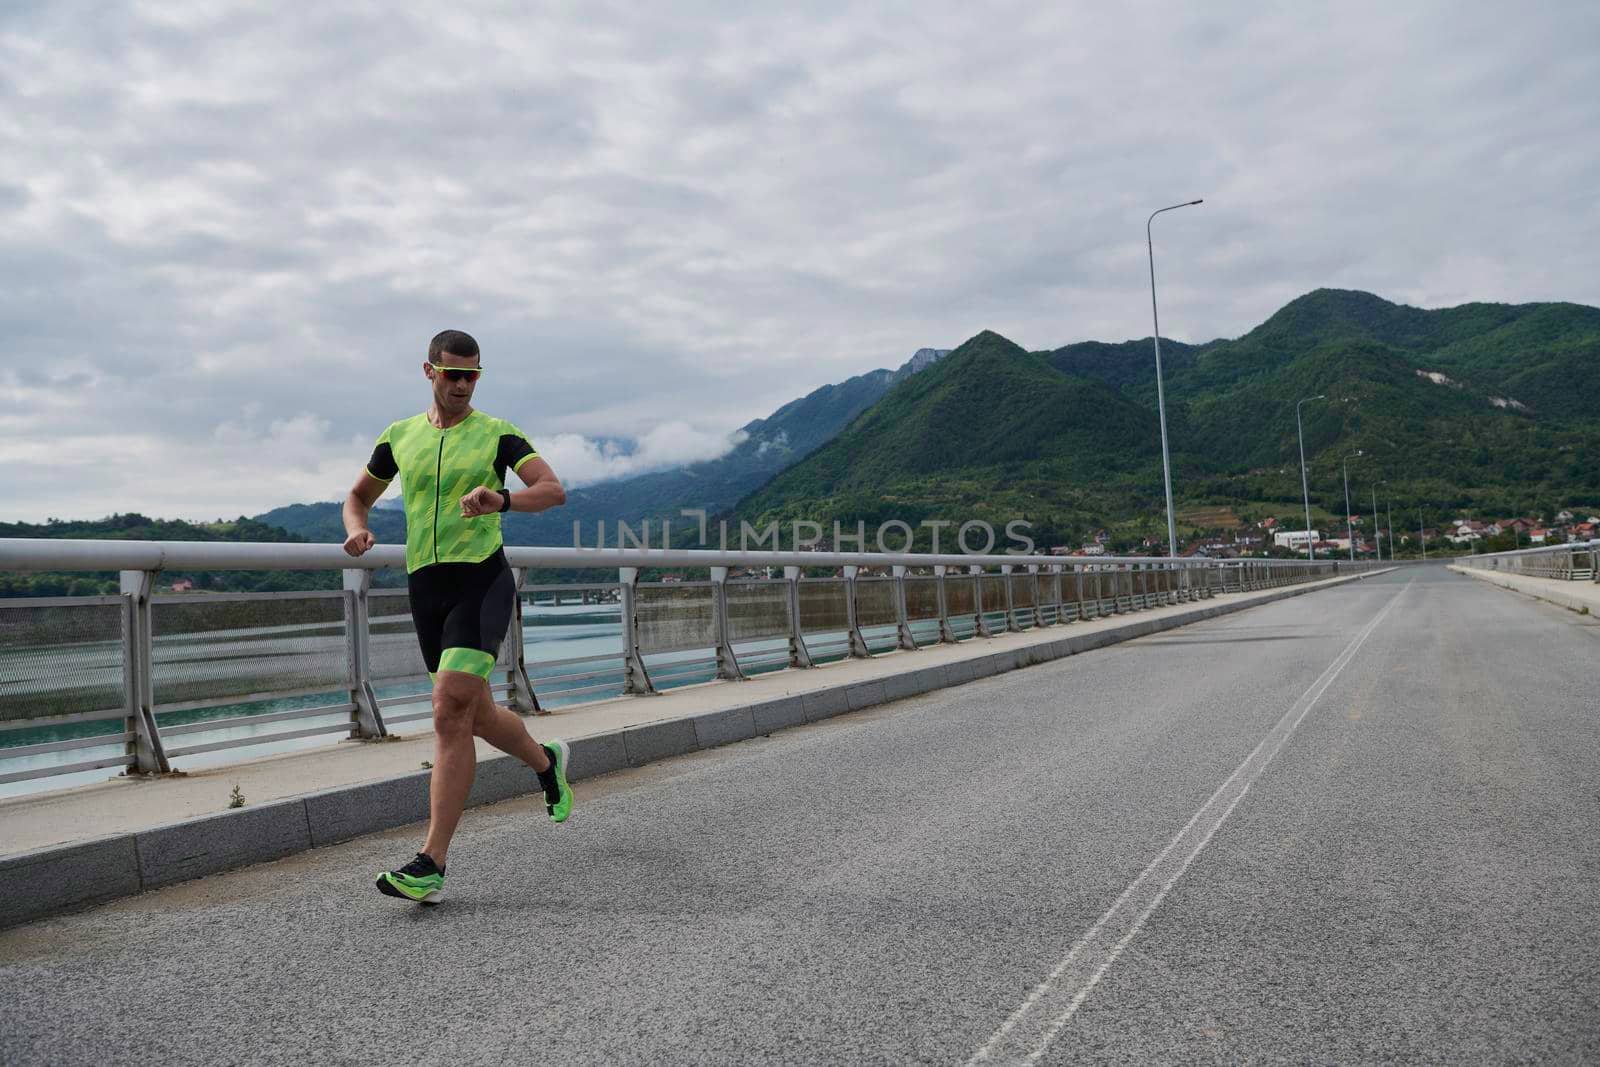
1349, 524
1377, 541
1305, 491
1161, 396
1388, 513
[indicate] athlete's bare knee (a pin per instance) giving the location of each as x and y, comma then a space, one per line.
454, 707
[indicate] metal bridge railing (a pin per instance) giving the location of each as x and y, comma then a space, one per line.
1578, 562
143, 680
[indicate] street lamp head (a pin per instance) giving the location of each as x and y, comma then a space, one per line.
1194, 202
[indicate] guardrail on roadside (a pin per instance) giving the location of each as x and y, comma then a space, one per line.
83, 666
1576, 562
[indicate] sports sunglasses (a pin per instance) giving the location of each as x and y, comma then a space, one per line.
456, 374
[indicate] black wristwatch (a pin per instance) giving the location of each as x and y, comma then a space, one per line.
505, 503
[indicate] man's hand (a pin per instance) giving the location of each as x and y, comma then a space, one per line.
358, 543
481, 501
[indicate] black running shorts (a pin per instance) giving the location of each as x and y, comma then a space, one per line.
462, 612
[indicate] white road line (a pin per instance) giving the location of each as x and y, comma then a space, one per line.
1026, 1035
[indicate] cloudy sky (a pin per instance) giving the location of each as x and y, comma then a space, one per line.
227, 233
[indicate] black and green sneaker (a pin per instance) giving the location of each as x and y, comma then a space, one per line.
420, 880
557, 793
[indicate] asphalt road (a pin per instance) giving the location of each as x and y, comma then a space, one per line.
1361, 825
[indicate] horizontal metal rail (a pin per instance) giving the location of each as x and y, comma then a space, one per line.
207, 725
45, 721
1576, 562
92, 741
67, 768
262, 739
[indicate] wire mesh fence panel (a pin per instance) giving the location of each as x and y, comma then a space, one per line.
392, 638
58, 657
758, 608
960, 596
822, 605
674, 616
922, 598
876, 602
1022, 596
994, 593
1050, 590
577, 628
205, 649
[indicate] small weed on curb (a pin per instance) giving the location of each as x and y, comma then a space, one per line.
236, 799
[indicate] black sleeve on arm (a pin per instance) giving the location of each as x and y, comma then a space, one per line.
382, 465
514, 448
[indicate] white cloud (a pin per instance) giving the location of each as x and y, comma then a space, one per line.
580, 461
712, 209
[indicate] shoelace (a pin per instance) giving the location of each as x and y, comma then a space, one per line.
420, 867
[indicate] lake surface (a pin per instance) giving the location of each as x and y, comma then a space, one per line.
551, 633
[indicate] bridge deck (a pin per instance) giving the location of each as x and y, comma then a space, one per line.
1357, 826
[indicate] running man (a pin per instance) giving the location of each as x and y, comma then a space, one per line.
452, 461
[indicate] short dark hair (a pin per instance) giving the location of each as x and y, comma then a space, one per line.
455, 343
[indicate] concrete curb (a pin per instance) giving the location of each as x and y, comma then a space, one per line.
63, 878
1518, 584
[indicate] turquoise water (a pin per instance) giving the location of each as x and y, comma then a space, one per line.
550, 633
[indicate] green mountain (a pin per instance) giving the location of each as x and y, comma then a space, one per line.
992, 432
1130, 365
1484, 408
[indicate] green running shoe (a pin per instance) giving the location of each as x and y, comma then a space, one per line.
557, 793
420, 880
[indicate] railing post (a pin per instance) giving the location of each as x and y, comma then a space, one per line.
1011, 608
1038, 612
727, 663
799, 655
858, 643
635, 679
980, 624
1083, 605
947, 636
358, 653
138, 694
906, 642
520, 698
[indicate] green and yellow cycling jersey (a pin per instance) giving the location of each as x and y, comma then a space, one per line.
439, 467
